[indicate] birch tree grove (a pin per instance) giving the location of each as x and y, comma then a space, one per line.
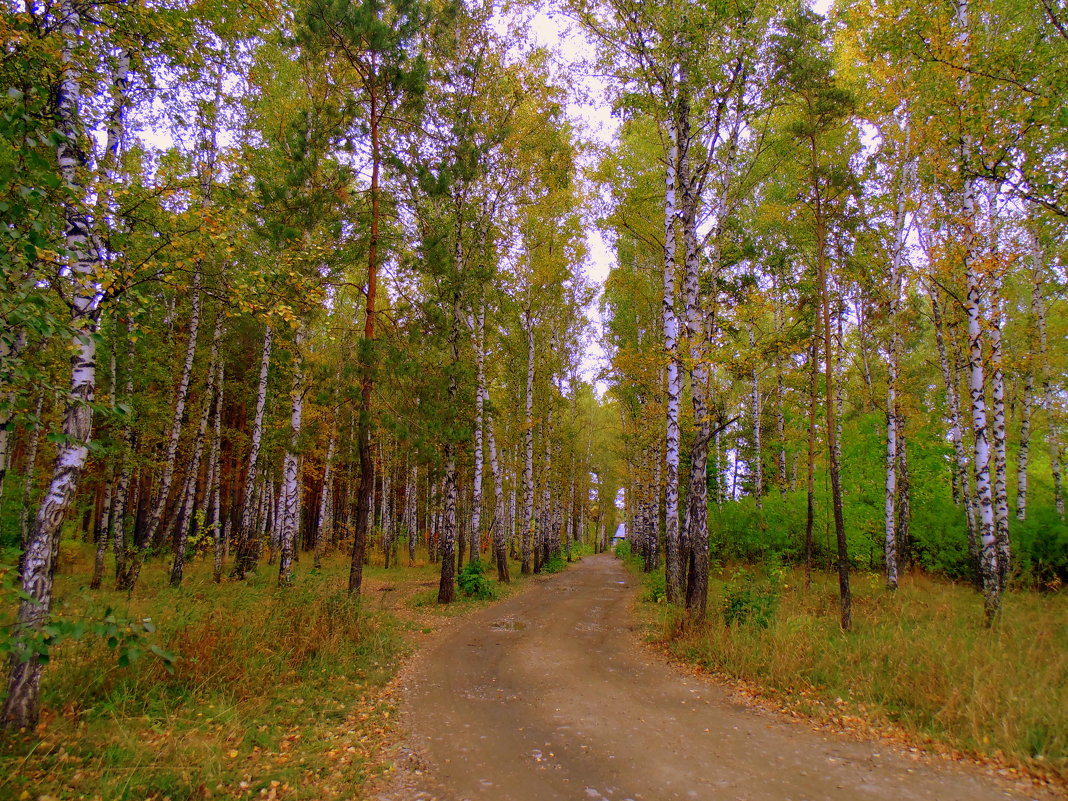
325, 282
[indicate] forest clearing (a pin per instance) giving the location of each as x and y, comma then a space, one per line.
329, 327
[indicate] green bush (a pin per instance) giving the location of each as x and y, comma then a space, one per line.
472, 581
554, 564
749, 598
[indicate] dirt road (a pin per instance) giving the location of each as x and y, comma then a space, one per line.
548, 696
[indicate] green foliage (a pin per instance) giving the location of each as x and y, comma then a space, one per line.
472, 581
554, 564
129, 639
655, 587
752, 598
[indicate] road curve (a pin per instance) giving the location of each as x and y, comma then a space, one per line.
549, 697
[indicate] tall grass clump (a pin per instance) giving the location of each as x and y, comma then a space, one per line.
920, 659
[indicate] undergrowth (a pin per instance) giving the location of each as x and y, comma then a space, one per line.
919, 659
278, 693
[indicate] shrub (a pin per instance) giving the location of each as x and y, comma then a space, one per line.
554, 564
753, 599
472, 581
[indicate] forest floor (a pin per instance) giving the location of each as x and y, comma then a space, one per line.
552, 695
275, 693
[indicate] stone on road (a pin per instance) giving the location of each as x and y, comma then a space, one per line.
549, 695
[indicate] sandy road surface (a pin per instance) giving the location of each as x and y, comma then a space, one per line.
548, 696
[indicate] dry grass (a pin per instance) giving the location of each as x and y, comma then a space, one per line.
275, 693
919, 659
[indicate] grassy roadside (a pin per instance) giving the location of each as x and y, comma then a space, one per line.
277, 694
919, 667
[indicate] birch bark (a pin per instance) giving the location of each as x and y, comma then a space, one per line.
247, 548
290, 521
185, 512
528, 464
324, 522
673, 544
20, 708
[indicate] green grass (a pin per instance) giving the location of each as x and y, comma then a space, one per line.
919, 661
279, 692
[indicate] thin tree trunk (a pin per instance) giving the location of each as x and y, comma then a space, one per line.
324, 522
810, 497
214, 490
480, 391
181, 396
527, 563
122, 491
894, 347
290, 522
103, 529
31, 465
366, 489
823, 283
185, 512
246, 550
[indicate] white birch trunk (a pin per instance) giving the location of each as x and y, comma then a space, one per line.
500, 552
894, 347
246, 551
20, 708
214, 490
1001, 491
185, 512
324, 520
528, 464
122, 491
758, 457
480, 394
291, 472
674, 567
956, 434
180, 397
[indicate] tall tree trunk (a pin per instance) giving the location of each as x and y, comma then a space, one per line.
365, 497
480, 391
163, 492
823, 284
20, 708
894, 347
1001, 490
247, 548
976, 368
810, 494
31, 469
695, 533
290, 522
214, 490
324, 520
673, 544
527, 564
103, 529
188, 496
